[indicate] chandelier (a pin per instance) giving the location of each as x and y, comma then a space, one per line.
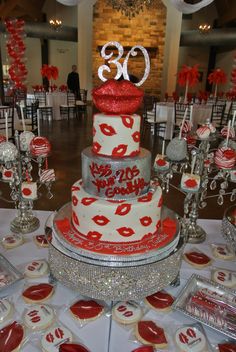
204, 28
55, 23
130, 8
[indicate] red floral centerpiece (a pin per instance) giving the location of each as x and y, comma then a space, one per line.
218, 76
50, 72
63, 88
188, 77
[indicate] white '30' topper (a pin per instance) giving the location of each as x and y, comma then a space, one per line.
123, 70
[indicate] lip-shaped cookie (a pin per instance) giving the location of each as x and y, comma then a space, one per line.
86, 310
72, 347
117, 97
11, 337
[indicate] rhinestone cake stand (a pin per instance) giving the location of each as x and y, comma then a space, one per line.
114, 277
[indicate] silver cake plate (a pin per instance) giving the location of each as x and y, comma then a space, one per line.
116, 277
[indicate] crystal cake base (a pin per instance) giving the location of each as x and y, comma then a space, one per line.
110, 277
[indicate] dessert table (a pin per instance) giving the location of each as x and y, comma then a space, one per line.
166, 111
104, 334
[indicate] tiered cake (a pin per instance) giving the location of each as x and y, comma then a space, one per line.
116, 202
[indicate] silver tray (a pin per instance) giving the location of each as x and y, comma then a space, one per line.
13, 276
196, 283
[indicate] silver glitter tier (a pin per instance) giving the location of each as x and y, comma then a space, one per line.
229, 226
103, 277
116, 178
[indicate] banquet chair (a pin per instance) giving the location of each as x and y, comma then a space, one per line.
217, 115
81, 105
152, 122
10, 121
70, 106
30, 115
20, 96
9, 100
180, 109
46, 111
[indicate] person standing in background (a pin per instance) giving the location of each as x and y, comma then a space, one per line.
73, 82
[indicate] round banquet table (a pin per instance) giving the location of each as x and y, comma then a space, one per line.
166, 111
103, 334
55, 99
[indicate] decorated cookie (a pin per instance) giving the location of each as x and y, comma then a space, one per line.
38, 293
161, 301
222, 251
161, 163
86, 310
224, 277
197, 259
126, 312
29, 190
7, 174
5, 310
190, 182
190, 339
47, 176
36, 268
148, 333
39, 317
11, 337
72, 347
144, 349
42, 240
54, 337
227, 347
12, 241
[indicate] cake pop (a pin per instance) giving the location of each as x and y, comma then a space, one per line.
225, 158
8, 152
25, 139
40, 146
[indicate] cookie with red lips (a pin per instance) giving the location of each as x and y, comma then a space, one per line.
160, 301
197, 259
72, 347
11, 337
149, 333
86, 310
38, 293
227, 347
117, 97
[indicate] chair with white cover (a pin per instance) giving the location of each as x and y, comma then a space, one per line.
46, 111
10, 121
69, 107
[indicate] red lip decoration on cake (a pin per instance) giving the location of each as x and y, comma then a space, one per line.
127, 121
227, 347
100, 220
136, 136
86, 309
117, 97
88, 201
96, 147
75, 218
123, 209
72, 347
11, 337
74, 200
94, 131
120, 150
107, 130
152, 333
94, 235
125, 231
160, 202
146, 198
198, 258
146, 221
134, 153
75, 188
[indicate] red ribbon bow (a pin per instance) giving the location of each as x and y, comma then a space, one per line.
188, 75
218, 76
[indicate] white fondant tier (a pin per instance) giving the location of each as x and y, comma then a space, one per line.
116, 221
116, 135
116, 178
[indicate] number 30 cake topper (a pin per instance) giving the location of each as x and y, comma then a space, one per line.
122, 69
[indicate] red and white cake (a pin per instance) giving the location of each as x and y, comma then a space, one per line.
116, 202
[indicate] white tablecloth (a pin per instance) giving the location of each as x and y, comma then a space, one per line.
96, 334
166, 111
55, 99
